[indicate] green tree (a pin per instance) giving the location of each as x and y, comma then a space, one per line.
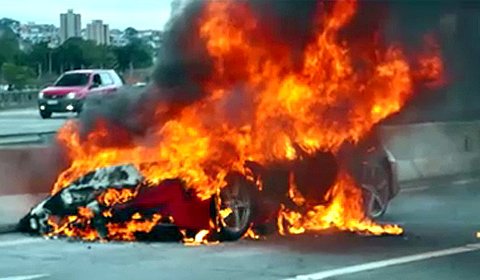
98, 56
136, 54
77, 53
130, 33
9, 47
74, 53
39, 57
19, 76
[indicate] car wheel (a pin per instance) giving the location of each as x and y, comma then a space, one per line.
236, 200
376, 189
79, 110
45, 114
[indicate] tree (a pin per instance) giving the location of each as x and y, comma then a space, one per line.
77, 53
136, 54
19, 76
131, 33
38, 57
9, 46
72, 51
98, 56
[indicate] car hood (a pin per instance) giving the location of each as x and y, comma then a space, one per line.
62, 90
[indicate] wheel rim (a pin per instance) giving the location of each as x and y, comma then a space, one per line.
374, 204
237, 199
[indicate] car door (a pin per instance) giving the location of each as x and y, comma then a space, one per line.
97, 87
107, 83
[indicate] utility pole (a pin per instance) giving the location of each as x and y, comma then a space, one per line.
50, 62
40, 70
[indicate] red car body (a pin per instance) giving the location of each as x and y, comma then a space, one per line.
170, 199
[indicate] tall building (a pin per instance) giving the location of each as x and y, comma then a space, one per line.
98, 32
70, 25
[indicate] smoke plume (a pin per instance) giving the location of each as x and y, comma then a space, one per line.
184, 65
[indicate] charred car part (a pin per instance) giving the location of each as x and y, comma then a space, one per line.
81, 193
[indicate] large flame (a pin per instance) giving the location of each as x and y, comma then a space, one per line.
335, 96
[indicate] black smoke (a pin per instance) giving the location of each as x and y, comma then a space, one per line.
184, 65
455, 24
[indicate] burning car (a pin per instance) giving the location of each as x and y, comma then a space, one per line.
104, 203
249, 124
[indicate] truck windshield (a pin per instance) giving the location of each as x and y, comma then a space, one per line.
74, 79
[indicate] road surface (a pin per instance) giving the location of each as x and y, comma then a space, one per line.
440, 220
29, 121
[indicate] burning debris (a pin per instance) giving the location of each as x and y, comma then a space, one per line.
243, 126
80, 197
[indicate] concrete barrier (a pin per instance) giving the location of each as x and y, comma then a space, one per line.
18, 99
428, 150
26, 176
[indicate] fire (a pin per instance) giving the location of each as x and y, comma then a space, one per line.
127, 230
336, 215
251, 235
319, 106
430, 64
116, 196
199, 239
68, 227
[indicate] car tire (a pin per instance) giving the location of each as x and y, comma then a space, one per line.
238, 195
79, 110
45, 114
375, 185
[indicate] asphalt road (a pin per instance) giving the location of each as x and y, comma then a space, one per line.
29, 121
440, 220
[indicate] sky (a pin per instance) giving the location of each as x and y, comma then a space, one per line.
139, 14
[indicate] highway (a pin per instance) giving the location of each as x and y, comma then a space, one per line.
440, 217
18, 121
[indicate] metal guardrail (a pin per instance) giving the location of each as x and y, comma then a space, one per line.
32, 138
15, 99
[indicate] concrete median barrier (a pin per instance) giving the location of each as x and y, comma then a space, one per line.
26, 176
18, 99
428, 150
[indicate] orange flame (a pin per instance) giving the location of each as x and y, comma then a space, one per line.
328, 101
199, 239
126, 231
336, 214
116, 196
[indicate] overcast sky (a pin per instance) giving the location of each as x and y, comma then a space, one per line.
140, 14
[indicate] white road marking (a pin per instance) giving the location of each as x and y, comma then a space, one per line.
24, 241
25, 277
415, 189
385, 263
463, 182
